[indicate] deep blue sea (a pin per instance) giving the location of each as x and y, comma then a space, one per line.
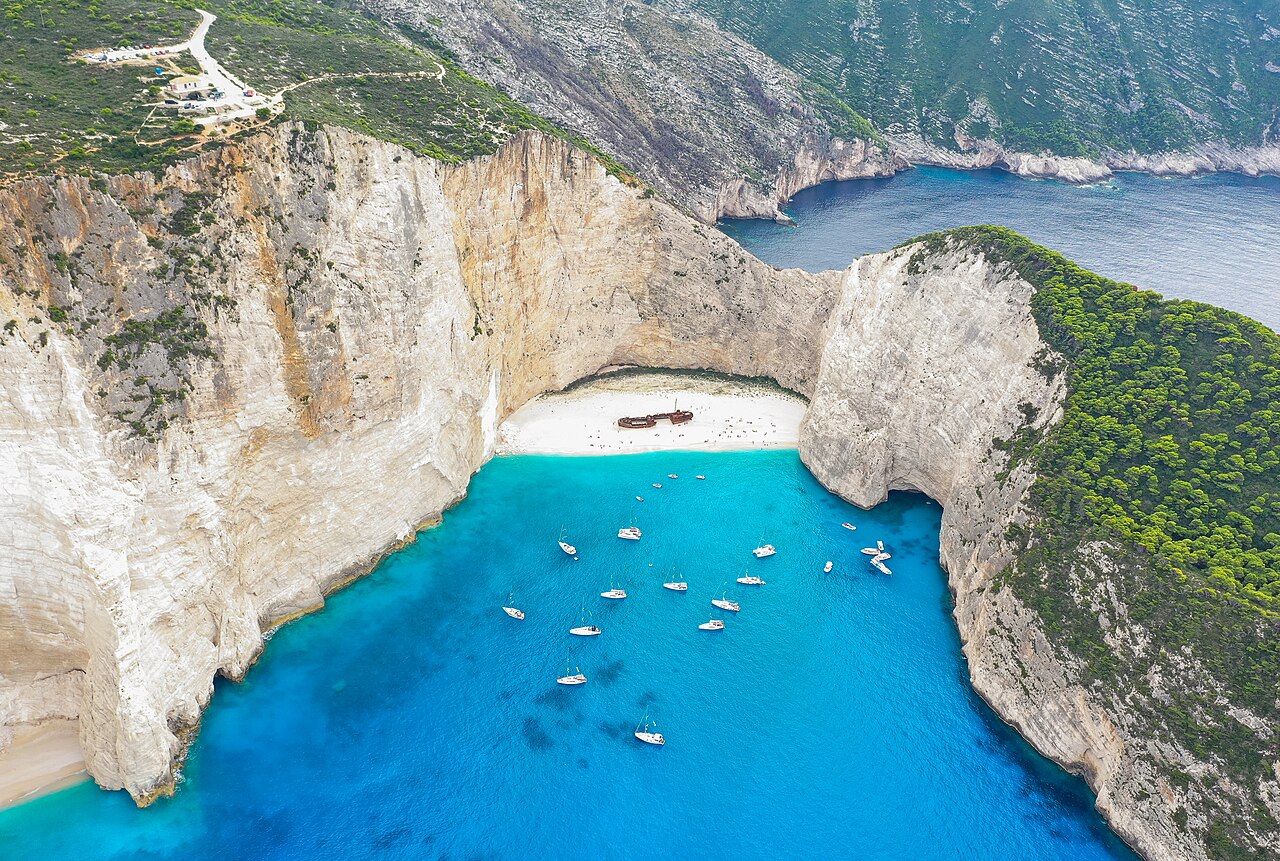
413, 719
1215, 239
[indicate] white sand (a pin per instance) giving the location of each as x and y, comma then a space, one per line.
727, 415
39, 760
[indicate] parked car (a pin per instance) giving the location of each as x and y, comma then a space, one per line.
171, 101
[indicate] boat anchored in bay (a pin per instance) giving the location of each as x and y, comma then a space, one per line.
510, 609
644, 732
586, 629
724, 603
711, 625
575, 678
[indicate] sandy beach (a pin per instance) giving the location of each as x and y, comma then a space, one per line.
39, 760
728, 414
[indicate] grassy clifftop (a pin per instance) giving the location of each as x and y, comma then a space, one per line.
1071, 77
343, 66
1153, 552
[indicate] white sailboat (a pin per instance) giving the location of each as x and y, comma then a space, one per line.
676, 585
724, 603
749, 579
574, 678
586, 629
511, 610
568, 548
712, 625
643, 732
614, 592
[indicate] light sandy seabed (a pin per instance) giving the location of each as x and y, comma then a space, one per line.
727, 415
39, 760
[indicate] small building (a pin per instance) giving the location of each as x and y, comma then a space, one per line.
189, 85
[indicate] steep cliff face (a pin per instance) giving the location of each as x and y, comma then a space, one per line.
933, 363
710, 120
229, 388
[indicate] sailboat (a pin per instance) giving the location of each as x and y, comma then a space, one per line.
576, 678
614, 592
712, 625
585, 629
676, 585
749, 579
764, 549
565, 546
724, 603
645, 735
512, 611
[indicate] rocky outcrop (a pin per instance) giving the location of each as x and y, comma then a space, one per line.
977, 154
712, 122
230, 388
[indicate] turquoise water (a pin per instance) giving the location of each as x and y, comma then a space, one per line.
1215, 239
412, 719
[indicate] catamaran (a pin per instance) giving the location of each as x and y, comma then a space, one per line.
724, 603
510, 610
630, 533
565, 546
576, 678
585, 629
749, 579
711, 625
764, 550
643, 733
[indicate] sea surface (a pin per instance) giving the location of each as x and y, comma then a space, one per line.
1215, 239
412, 719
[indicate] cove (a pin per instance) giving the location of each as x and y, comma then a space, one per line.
412, 719
1215, 239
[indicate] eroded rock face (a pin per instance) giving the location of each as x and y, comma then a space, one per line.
355, 321
715, 124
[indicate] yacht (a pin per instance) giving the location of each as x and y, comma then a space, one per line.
711, 625
565, 546
748, 579
645, 735
700, 477
512, 611
880, 557
676, 586
630, 533
871, 551
724, 603
848, 526
657, 485
826, 569
585, 629
576, 678
672, 475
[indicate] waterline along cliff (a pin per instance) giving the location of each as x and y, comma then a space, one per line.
230, 386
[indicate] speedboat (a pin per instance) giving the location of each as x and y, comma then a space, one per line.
676, 586
700, 477
883, 569
848, 526
657, 485
512, 611
871, 551
576, 678
614, 593
672, 475
639, 499
880, 546
826, 569
712, 625
764, 550
725, 604
643, 733
630, 533
880, 557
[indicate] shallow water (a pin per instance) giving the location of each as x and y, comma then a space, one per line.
413, 719
1215, 239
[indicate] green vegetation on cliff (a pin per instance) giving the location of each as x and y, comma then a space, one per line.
1157, 505
343, 67
1051, 74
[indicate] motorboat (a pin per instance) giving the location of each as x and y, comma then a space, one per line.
881, 567
676, 586
880, 557
826, 569
712, 625
725, 604
574, 678
639, 499
630, 533
880, 546
848, 526
871, 551
657, 485
700, 477
644, 732
764, 550
512, 611
672, 475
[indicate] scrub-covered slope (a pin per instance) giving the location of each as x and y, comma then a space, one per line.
1067, 76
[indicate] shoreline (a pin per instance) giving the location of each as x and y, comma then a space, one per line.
729, 415
39, 760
